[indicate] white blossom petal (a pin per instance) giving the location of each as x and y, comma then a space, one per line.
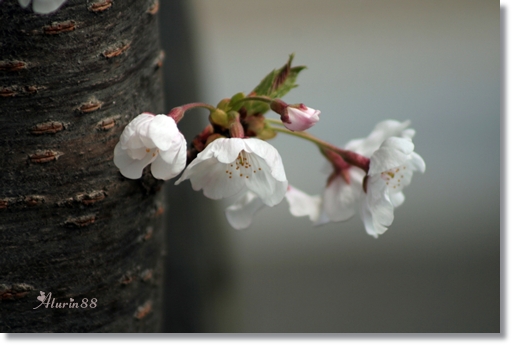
339, 199
177, 153
392, 153
379, 205
226, 150
416, 162
241, 213
137, 153
270, 190
302, 204
162, 130
408, 133
367, 218
130, 168
383, 130
171, 162
131, 138
269, 154
397, 199
210, 176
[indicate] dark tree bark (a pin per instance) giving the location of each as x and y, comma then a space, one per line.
70, 224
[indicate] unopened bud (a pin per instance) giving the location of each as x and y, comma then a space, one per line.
219, 117
299, 117
223, 104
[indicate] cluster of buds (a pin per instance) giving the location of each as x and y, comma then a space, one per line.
231, 157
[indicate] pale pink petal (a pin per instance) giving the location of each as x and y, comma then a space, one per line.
300, 120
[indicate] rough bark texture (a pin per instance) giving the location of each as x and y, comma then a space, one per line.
70, 224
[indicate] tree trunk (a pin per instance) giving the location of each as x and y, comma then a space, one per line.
70, 224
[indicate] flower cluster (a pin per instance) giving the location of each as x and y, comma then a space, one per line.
231, 157
391, 165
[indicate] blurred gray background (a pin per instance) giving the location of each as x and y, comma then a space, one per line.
437, 269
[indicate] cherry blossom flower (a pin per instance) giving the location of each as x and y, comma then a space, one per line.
344, 195
229, 166
154, 140
42, 6
240, 214
300, 118
391, 169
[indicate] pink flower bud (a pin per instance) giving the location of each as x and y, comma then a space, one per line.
300, 118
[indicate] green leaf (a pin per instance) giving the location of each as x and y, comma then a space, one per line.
264, 88
288, 83
234, 100
275, 85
